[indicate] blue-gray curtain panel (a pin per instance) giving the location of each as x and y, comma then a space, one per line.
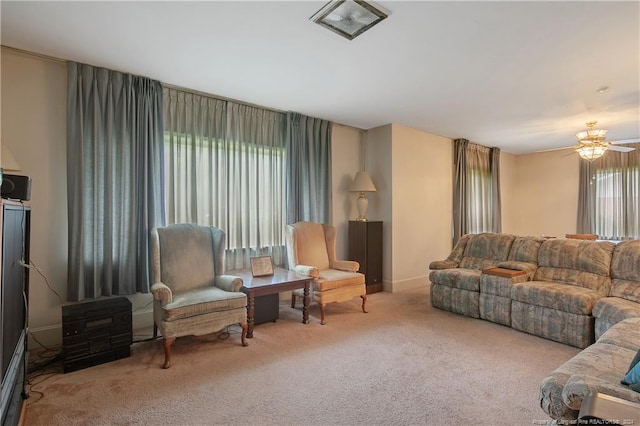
460, 223
308, 194
114, 180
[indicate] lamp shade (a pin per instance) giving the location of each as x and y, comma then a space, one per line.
362, 183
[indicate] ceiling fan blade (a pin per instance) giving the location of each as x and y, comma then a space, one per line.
620, 148
557, 149
622, 141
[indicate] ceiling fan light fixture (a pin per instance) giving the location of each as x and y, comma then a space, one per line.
592, 151
349, 18
591, 135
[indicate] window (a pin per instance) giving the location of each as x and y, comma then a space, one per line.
480, 195
237, 187
225, 167
476, 198
609, 196
616, 202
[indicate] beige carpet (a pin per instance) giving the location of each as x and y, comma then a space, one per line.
403, 363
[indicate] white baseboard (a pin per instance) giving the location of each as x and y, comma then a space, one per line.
48, 336
408, 284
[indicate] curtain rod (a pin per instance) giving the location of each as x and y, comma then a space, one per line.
222, 98
170, 86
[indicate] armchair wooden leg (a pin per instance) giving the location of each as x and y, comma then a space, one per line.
155, 330
364, 301
322, 305
243, 336
293, 300
167, 342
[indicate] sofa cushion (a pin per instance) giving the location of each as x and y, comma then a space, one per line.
525, 249
624, 333
554, 295
499, 286
464, 279
314, 250
616, 309
186, 256
333, 278
454, 258
625, 261
625, 273
485, 250
576, 262
200, 301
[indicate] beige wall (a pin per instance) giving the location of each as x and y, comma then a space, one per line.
34, 130
412, 171
346, 143
421, 204
546, 199
508, 191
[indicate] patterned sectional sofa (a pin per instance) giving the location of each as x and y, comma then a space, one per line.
600, 367
571, 291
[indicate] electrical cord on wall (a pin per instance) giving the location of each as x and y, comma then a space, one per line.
32, 265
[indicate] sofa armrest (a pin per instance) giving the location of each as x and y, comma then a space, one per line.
443, 264
228, 282
550, 397
345, 265
162, 292
578, 387
307, 271
529, 268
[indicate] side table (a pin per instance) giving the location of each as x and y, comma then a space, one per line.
281, 280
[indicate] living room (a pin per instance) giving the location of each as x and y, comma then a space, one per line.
411, 168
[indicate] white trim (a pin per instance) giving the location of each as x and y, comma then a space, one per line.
408, 284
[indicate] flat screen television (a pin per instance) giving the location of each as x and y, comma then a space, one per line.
14, 296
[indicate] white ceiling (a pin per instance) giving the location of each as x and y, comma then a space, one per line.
518, 75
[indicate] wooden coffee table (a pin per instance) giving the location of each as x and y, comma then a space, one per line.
281, 280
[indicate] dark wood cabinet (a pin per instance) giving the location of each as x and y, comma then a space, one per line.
365, 247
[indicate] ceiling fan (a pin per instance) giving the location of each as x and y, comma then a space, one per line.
592, 143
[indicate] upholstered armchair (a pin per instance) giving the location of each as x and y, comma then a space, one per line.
191, 295
311, 251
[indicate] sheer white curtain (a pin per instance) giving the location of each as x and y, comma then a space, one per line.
479, 190
609, 196
225, 167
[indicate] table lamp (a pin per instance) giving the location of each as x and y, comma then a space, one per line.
362, 183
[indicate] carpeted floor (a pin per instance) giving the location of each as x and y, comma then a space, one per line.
403, 363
